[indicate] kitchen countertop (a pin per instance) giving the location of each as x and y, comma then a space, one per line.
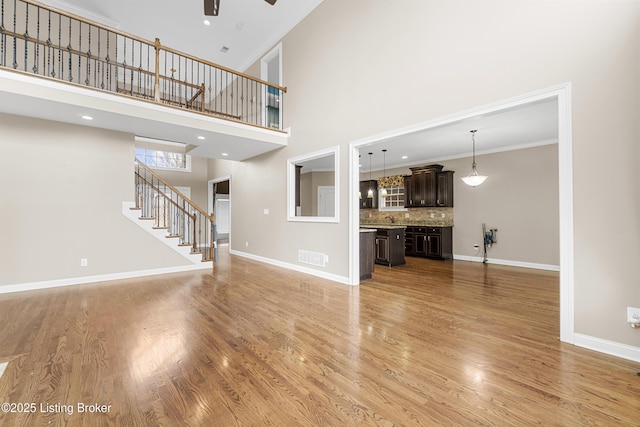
367, 230
391, 226
385, 226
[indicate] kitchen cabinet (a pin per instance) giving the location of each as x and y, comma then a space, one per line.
390, 246
367, 253
429, 186
408, 191
365, 202
429, 242
445, 189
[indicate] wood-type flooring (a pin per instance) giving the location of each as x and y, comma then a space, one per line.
429, 343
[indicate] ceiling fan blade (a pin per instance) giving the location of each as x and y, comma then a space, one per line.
211, 7
271, 2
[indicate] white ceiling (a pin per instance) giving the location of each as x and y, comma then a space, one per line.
249, 28
524, 126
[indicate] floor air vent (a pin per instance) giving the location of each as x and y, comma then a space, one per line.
313, 258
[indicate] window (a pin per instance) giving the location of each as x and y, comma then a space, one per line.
312, 186
394, 199
158, 159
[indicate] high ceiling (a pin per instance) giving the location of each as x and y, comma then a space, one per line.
248, 28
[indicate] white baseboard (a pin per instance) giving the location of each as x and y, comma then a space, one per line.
611, 348
289, 266
32, 286
511, 263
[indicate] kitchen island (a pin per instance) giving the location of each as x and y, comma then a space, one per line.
389, 244
367, 252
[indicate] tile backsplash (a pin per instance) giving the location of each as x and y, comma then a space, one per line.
440, 217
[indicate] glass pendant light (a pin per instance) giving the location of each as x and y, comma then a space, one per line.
370, 192
474, 179
383, 192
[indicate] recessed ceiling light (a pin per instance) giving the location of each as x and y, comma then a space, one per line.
206, 22
405, 157
200, 137
225, 154
87, 117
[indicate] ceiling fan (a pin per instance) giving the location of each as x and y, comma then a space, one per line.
212, 7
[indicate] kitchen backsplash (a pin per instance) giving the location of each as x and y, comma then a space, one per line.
437, 217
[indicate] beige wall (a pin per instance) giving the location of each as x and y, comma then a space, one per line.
386, 65
63, 188
520, 199
196, 180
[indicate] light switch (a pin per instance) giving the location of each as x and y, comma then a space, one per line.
266, 211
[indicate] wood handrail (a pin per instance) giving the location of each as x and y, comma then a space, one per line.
104, 61
150, 184
175, 190
151, 43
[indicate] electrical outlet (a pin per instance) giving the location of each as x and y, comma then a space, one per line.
633, 315
83, 262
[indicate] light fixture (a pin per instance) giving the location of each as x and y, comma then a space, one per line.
473, 179
88, 118
370, 192
206, 22
383, 192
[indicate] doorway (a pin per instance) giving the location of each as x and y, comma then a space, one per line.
219, 202
271, 71
562, 95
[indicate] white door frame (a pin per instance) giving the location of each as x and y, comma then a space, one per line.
562, 93
210, 199
264, 75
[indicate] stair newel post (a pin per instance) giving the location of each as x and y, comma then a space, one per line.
212, 245
195, 232
156, 89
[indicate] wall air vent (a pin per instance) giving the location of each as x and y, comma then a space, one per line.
313, 258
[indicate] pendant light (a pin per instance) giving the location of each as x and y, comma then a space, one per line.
370, 192
383, 192
473, 179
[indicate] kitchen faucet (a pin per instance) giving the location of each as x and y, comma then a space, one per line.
391, 218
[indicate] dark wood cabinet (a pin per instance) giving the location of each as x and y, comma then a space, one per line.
408, 191
445, 189
367, 253
428, 186
390, 246
365, 202
429, 242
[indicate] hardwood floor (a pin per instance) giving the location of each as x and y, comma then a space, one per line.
428, 343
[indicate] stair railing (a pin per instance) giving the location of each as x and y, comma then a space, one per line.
46, 42
169, 209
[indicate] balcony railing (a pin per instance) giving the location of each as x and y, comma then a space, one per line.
47, 42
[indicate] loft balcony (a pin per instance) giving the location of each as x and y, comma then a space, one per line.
58, 66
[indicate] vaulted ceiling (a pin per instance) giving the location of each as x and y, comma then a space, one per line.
247, 28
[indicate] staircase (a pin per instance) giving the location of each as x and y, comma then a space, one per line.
170, 216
